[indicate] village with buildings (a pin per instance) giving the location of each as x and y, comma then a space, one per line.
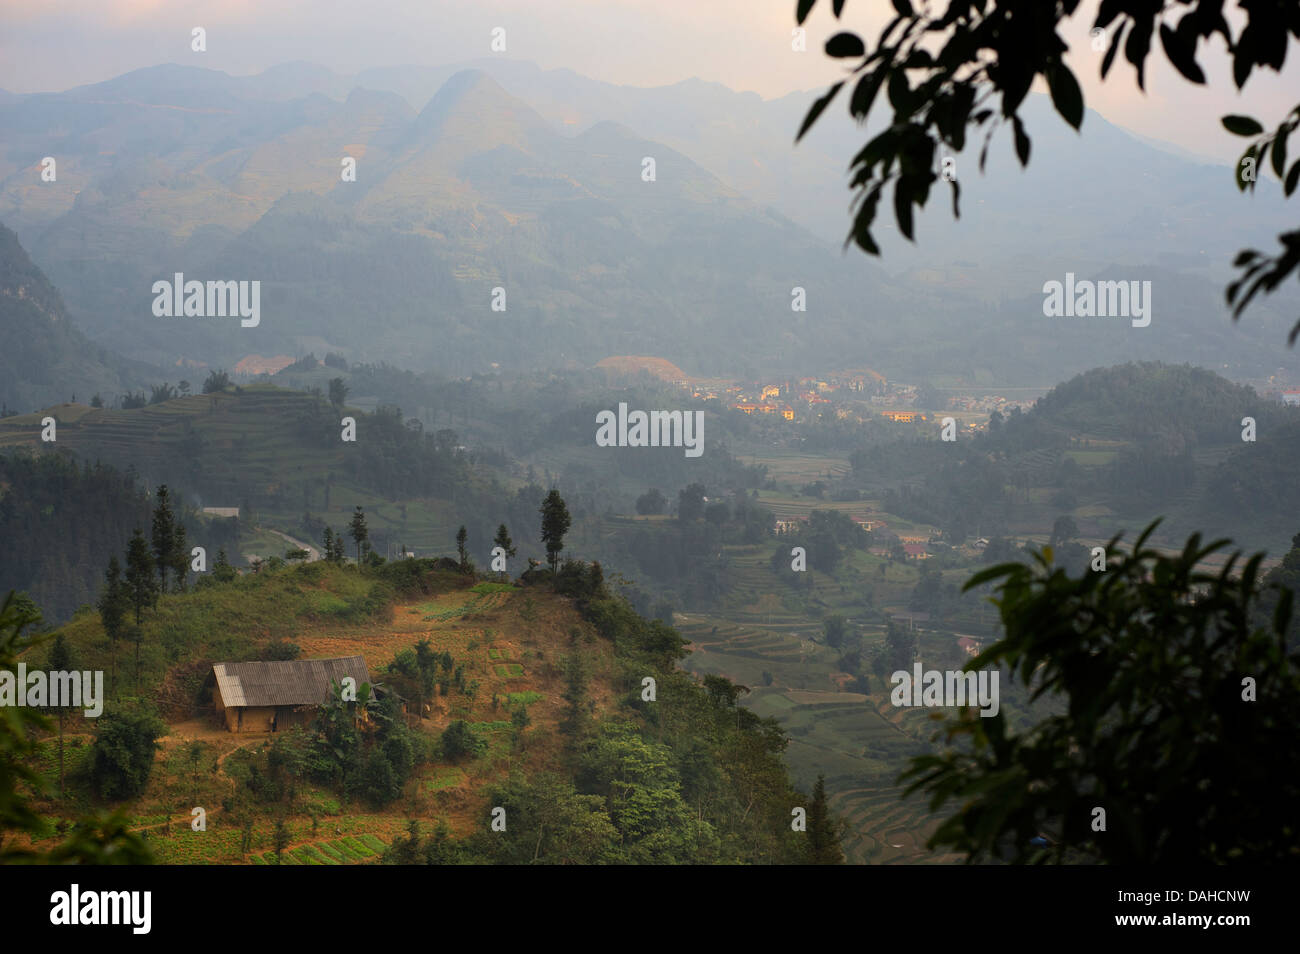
855, 394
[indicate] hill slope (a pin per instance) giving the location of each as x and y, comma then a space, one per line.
594, 772
43, 357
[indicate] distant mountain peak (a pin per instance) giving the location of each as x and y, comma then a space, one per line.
472, 113
21, 278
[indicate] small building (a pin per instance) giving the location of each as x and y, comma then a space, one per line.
269, 696
916, 551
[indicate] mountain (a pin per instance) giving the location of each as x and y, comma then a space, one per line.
529, 181
475, 192
43, 357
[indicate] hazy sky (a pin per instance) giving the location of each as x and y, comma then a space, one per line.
744, 44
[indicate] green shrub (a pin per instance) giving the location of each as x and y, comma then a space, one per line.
459, 741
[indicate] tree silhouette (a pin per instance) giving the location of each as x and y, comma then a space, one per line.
164, 536
1177, 719
358, 531
140, 582
113, 604
555, 524
964, 54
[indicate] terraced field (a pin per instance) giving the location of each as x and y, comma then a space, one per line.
256, 445
341, 851
858, 742
886, 829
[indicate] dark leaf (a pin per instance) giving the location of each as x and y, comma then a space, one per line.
1015, 87
1242, 125
904, 8
1278, 154
1109, 58
900, 93
1292, 178
1137, 47
862, 222
864, 94
1108, 11
845, 44
817, 109
1066, 95
1022, 140
837, 7
956, 194
1242, 181
903, 207
803, 9
919, 60
1181, 50
1241, 62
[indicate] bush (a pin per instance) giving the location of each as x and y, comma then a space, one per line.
121, 758
377, 782
459, 741
280, 651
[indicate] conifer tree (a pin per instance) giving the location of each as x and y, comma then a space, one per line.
180, 555
824, 829
503, 541
113, 604
462, 539
555, 524
360, 534
141, 586
164, 536
60, 660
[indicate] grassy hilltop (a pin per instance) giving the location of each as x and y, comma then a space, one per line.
591, 773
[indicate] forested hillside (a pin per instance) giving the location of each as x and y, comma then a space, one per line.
44, 358
1118, 446
61, 520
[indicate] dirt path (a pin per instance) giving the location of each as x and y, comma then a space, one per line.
312, 553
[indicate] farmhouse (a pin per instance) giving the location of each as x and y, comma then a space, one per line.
268, 696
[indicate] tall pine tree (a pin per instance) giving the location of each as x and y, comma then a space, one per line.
180, 555
462, 548
555, 524
163, 536
824, 829
141, 585
360, 534
60, 660
503, 541
114, 603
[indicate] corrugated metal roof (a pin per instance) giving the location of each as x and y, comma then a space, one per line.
295, 682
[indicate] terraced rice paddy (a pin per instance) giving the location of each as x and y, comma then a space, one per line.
341, 851
859, 743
